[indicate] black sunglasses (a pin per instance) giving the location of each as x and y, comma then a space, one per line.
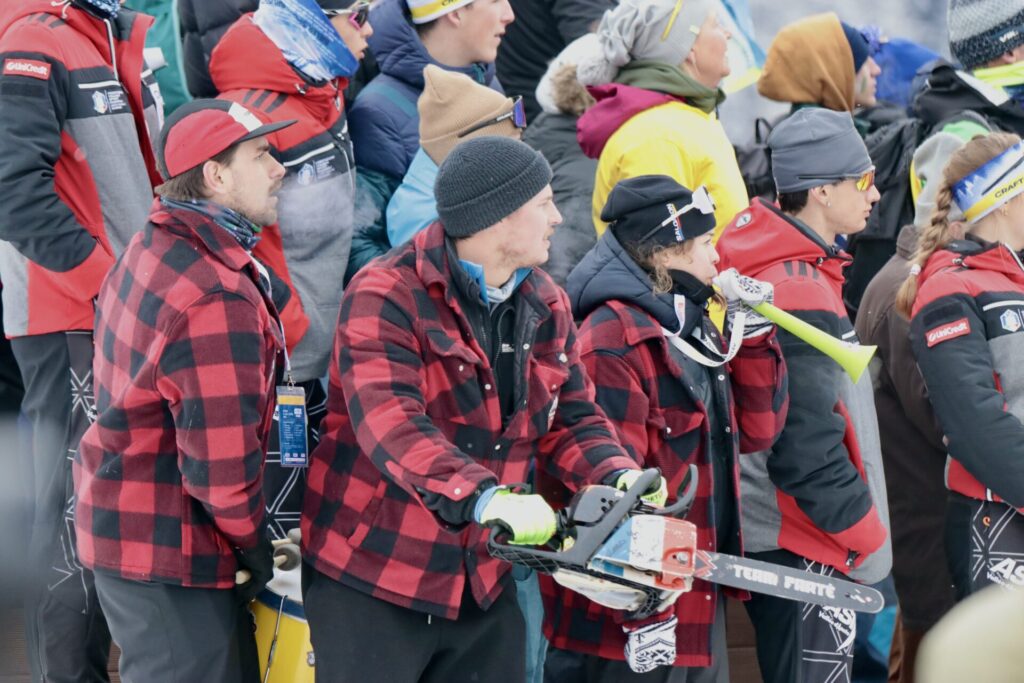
517, 115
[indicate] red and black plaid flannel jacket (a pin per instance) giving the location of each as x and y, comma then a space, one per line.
412, 407
169, 477
659, 415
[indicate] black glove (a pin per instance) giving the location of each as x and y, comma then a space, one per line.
258, 562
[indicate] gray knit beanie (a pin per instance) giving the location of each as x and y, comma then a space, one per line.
816, 146
981, 30
930, 160
486, 179
658, 30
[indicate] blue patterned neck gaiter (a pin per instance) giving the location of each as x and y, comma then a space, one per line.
102, 9
245, 232
301, 30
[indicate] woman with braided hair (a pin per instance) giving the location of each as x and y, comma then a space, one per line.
965, 298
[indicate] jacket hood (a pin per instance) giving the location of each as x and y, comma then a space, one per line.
810, 62
245, 58
125, 25
10, 12
607, 272
761, 236
400, 52
975, 255
559, 90
950, 93
616, 104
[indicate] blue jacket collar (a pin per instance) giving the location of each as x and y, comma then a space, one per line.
400, 52
607, 272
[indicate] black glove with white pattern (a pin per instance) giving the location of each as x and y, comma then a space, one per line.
746, 292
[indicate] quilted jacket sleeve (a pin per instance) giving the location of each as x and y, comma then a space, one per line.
370, 236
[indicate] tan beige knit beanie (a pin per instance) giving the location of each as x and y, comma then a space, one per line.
452, 102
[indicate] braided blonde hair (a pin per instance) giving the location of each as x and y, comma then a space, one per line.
940, 232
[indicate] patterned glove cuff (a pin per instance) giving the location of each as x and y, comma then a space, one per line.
651, 646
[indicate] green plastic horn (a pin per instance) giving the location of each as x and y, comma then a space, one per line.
852, 357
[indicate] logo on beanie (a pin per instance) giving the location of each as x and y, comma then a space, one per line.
27, 67
1010, 320
1009, 35
307, 174
957, 328
678, 226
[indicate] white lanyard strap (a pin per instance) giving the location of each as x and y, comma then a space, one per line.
284, 344
736, 339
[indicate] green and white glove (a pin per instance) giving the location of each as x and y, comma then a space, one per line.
655, 495
530, 519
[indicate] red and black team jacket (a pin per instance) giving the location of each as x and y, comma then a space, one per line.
308, 247
169, 477
967, 333
76, 162
413, 412
652, 401
819, 491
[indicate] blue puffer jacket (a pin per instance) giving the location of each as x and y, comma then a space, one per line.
384, 122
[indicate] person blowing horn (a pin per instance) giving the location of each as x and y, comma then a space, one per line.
815, 499
679, 397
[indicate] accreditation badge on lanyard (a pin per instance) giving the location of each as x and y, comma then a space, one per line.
291, 400
292, 421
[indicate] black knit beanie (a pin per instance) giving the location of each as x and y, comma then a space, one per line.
484, 180
637, 206
859, 46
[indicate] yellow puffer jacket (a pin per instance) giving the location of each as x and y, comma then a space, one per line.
679, 141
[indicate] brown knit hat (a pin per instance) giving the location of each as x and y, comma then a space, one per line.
452, 102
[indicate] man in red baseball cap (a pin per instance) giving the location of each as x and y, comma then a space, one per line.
169, 478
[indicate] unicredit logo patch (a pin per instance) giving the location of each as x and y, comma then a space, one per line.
957, 328
26, 67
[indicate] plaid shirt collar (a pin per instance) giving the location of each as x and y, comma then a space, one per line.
639, 325
195, 225
434, 269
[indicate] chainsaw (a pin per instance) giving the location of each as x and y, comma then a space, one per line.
624, 554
